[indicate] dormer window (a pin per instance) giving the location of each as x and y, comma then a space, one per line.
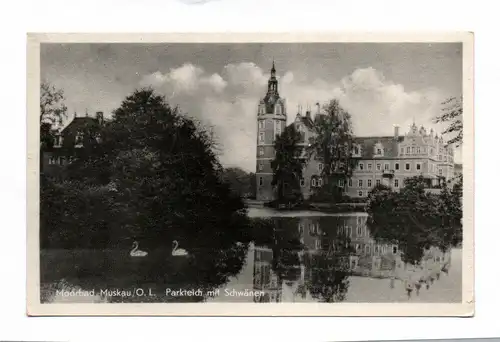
79, 139
58, 139
356, 150
378, 149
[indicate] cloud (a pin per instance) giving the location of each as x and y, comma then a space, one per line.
187, 79
228, 101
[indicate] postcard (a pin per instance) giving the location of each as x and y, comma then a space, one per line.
250, 174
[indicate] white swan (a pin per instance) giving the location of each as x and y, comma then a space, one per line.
178, 251
135, 252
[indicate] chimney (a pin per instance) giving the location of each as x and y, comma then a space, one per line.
396, 131
100, 117
308, 114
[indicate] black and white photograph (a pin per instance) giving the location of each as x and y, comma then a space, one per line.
331, 176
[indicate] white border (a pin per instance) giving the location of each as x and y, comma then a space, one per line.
466, 308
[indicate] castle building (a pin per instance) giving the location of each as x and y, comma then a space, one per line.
387, 160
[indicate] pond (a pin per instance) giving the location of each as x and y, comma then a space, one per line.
299, 256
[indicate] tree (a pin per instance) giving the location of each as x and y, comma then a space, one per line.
167, 186
240, 181
287, 165
52, 112
332, 145
415, 219
452, 114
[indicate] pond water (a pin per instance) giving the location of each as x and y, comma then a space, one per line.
299, 256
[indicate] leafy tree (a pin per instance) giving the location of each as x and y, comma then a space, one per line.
415, 219
452, 113
332, 145
240, 181
166, 185
52, 112
287, 165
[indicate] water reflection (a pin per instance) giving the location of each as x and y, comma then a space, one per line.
335, 259
307, 258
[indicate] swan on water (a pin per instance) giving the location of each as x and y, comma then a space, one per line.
178, 251
135, 252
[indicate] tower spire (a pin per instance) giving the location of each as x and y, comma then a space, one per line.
273, 69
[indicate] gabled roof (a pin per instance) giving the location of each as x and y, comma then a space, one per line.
80, 123
388, 143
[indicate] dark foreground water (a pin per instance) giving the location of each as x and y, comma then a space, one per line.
296, 257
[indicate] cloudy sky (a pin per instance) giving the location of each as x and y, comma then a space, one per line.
221, 84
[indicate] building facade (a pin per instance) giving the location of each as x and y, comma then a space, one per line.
386, 160
69, 141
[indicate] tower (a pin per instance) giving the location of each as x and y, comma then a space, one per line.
271, 121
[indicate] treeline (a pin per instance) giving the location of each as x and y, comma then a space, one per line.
416, 219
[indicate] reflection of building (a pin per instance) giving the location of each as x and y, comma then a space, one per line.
264, 278
69, 141
381, 159
363, 256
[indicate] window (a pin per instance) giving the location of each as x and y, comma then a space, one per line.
359, 231
360, 183
61, 160
358, 248
301, 228
407, 166
367, 249
440, 172
355, 150
369, 183
379, 167
261, 137
278, 130
419, 166
432, 151
52, 160
440, 157
261, 166
313, 182
320, 182
318, 244
379, 151
58, 141
396, 166
408, 150
341, 183
394, 249
302, 182
369, 166
386, 166
262, 124
261, 151
396, 183
377, 182
320, 167
413, 150
418, 150
261, 181
402, 150
360, 193
361, 166
350, 182
79, 139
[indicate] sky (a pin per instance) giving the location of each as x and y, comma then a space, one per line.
380, 84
